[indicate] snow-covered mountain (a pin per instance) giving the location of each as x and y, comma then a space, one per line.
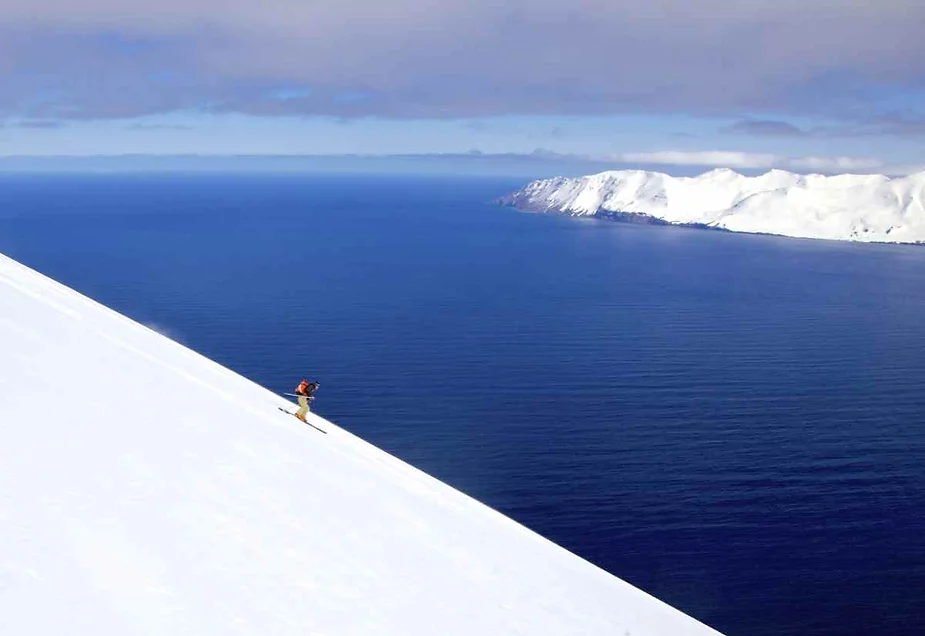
845, 207
146, 490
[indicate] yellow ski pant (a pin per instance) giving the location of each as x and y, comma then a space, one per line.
303, 406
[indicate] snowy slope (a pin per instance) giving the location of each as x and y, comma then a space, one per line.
844, 207
147, 490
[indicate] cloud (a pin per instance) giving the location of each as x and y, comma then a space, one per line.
749, 160
699, 158
888, 125
830, 164
157, 127
765, 128
538, 164
431, 58
883, 125
39, 123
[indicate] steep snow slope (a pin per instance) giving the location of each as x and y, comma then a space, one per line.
147, 490
844, 207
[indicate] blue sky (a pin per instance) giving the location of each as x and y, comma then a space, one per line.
827, 85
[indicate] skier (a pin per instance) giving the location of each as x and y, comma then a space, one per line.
305, 393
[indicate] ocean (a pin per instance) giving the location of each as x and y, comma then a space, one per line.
733, 423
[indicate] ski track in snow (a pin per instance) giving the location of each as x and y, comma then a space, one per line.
868, 208
145, 489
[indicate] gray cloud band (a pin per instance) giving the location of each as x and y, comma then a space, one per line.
424, 58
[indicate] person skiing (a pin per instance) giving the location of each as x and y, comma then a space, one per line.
305, 393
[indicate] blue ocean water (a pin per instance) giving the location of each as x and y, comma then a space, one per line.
732, 423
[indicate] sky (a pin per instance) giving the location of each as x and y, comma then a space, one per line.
807, 85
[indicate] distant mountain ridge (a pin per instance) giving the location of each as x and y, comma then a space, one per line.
848, 207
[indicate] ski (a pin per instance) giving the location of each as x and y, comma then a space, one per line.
320, 430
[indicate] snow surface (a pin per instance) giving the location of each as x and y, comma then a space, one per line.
145, 489
844, 207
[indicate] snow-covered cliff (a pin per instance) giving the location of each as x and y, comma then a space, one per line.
146, 490
844, 207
